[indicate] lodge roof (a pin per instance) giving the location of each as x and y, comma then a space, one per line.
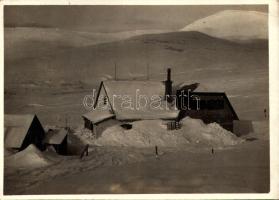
118, 91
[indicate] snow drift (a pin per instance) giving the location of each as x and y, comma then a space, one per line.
148, 133
29, 157
235, 25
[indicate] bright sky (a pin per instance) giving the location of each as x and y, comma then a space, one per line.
113, 18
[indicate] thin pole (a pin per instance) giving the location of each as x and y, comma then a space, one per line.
115, 71
66, 122
147, 71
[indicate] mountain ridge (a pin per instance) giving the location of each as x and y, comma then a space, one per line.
233, 25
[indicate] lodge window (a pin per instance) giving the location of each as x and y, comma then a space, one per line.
105, 100
126, 126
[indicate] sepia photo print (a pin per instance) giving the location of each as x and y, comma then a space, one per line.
136, 99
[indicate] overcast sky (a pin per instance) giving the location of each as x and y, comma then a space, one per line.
112, 18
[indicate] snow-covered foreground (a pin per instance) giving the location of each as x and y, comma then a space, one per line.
127, 164
240, 168
31, 167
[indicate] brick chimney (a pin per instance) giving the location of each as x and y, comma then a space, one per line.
168, 85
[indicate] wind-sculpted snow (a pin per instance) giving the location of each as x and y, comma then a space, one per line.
148, 133
30, 157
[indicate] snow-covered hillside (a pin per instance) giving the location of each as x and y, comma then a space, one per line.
234, 25
36, 42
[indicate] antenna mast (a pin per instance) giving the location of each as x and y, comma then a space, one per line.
147, 71
115, 78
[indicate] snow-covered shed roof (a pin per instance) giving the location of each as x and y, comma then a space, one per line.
97, 116
16, 128
119, 92
55, 136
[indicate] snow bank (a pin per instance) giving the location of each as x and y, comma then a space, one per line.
212, 134
148, 133
29, 157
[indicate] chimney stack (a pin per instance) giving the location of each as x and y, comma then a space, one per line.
168, 85
169, 74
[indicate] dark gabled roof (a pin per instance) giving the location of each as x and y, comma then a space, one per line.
223, 94
230, 105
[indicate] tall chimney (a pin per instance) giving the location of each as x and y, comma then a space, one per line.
169, 74
168, 85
